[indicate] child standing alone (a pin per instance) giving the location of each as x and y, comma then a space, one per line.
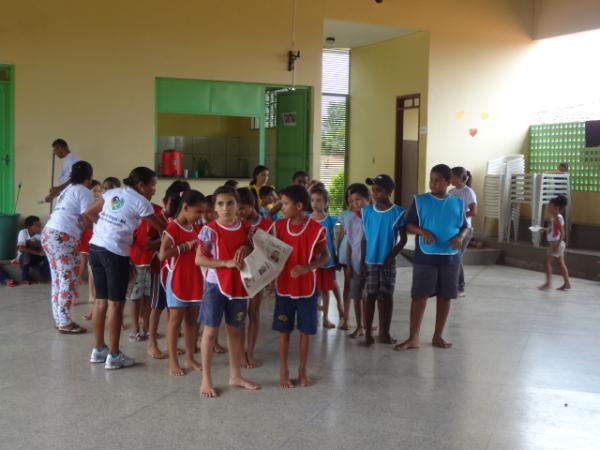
184, 285
296, 284
319, 200
383, 222
556, 240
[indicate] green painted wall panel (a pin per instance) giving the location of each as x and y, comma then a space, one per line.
237, 99
183, 96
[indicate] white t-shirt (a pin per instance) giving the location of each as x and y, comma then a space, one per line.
24, 236
70, 205
556, 224
65, 169
121, 214
468, 197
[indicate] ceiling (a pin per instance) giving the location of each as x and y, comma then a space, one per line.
354, 34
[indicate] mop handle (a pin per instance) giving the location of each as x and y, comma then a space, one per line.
52, 178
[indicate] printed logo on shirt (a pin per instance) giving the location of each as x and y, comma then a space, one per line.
116, 203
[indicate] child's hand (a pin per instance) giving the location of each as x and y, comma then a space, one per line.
388, 263
299, 270
427, 237
456, 242
241, 254
232, 264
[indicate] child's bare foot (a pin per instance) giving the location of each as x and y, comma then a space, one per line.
357, 333
344, 326
125, 326
564, 287
87, 316
286, 383
374, 328
155, 352
327, 324
369, 341
206, 390
219, 349
244, 363
544, 287
304, 380
386, 339
440, 343
192, 364
253, 363
407, 345
243, 383
176, 371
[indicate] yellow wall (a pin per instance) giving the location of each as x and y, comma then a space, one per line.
207, 126
380, 73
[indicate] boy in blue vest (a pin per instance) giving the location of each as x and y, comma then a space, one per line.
439, 221
383, 222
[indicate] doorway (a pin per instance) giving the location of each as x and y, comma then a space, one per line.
6, 138
407, 149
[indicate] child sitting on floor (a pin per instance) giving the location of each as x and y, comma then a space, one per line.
30, 253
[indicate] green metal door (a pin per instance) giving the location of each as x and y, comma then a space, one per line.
6, 139
292, 135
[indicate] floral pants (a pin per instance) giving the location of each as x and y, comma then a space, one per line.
62, 251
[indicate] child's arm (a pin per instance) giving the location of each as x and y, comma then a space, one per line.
155, 223
322, 258
389, 259
456, 241
168, 249
363, 251
472, 212
203, 260
426, 235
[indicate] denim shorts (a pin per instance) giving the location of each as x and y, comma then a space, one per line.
287, 309
215, 305
172, 300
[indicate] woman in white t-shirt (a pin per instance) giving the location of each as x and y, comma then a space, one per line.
461, 180
60, 240
117, 214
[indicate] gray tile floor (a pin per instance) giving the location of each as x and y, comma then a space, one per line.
524, 373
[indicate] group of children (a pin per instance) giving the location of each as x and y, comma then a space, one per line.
186, 254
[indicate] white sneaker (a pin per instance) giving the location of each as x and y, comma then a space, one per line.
118, 362
99, 356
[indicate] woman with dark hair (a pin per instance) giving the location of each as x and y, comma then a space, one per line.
118, 213
60, 240
260, 178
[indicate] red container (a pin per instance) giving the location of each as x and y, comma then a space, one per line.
172, 165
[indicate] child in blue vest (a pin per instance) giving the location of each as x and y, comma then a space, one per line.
439, 221
383, 222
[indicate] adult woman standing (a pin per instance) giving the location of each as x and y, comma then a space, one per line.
260, 178
60, 240
118, 214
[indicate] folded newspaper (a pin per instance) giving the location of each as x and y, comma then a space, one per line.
265, 262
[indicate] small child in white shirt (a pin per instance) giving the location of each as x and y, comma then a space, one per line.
555, 235
29, 249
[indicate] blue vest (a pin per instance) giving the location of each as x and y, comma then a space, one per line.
329, 224
442, 217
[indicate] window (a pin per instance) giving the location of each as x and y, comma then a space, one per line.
334, 125
270, 111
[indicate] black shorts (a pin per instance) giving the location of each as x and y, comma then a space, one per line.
435, 280
158, 296
111, 274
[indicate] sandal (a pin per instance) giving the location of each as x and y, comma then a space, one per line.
72, 328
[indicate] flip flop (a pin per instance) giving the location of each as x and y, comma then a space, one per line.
72, 329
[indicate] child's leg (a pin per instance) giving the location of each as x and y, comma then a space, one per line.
145, 315
385, 305
218, 348
153, 349
191, 336
136, 305
358, 314
417, 309
176, 316
234, 340
441, 316
115, 321
24, 266
548, 266
99, 321
346, 296
326, 322
91, 294
565, 274
304, 348
340, 306
209, 337
284, 372
253, 327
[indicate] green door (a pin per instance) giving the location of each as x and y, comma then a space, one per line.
292, 135
6, 139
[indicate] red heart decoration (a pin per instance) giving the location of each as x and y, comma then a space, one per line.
472, 131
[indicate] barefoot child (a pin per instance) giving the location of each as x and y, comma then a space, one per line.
184, 285
345, 266
358, 195
296, 284
319, 200
440, 224
247, 212
461, 180
556, 240
224, 243
383, 222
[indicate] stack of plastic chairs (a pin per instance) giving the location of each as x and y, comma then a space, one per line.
548, 186
522, 191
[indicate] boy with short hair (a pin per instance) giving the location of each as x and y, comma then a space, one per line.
300, 178
296, 284
29, 249
383, 222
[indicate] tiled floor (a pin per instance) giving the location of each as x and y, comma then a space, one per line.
524, 373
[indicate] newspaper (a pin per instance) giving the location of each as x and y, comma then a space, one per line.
265, 262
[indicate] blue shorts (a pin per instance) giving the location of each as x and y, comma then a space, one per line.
173, 301
287, 309
215, 304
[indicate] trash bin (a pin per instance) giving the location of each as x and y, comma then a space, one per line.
9, 227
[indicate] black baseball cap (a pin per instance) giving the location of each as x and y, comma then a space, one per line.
385, 181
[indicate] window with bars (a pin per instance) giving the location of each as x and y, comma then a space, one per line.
270, 111
334, 125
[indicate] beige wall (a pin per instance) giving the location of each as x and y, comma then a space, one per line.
558, 17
